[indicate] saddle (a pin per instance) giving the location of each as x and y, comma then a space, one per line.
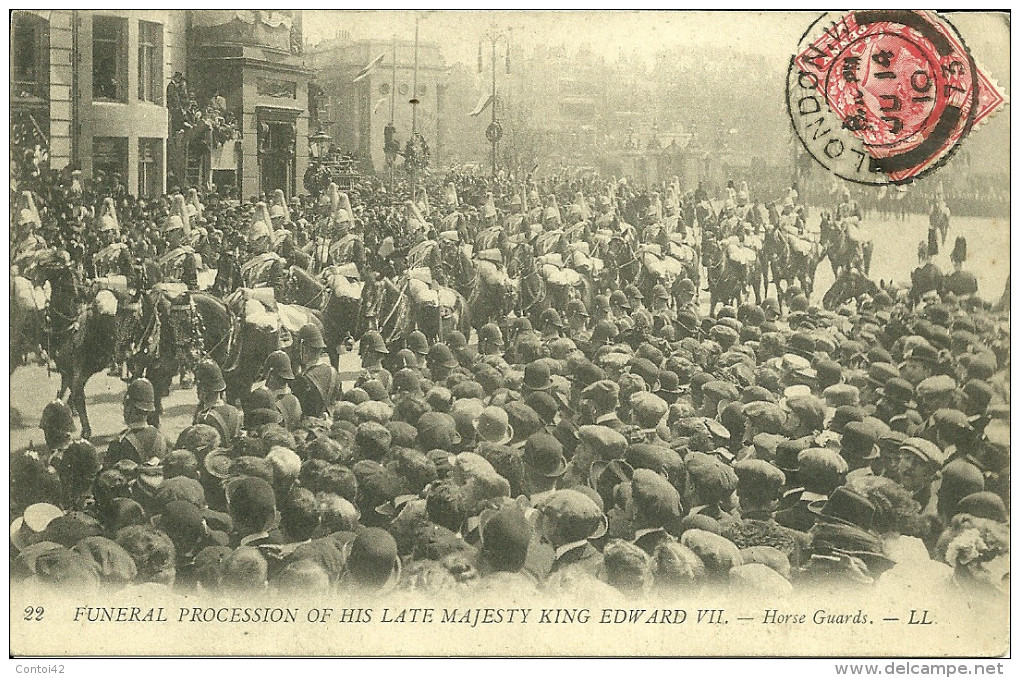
554, 271
257, 306
662, 266
171, 290
27, 295
346, 281
490, 274
740, 254
424, 290
118, 284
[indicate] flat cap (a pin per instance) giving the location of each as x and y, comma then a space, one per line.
602, 391
648, 408
767, 417
841, 394
925, 449
654, 497
603, 441
758, 479
714, 480
718, 554
939, 385
578, 516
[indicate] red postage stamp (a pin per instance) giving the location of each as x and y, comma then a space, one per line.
885, 96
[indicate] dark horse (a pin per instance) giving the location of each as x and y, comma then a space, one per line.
340, 315
727, 279
493, 296
240, 349
781, 261
81, 338
843, 251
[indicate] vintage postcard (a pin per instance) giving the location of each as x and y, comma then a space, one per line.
509, 333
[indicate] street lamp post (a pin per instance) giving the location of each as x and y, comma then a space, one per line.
494, 132
414, 113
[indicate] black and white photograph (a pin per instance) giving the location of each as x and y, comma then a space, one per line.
445, 333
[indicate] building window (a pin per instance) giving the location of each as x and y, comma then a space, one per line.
109, 161
150, 168
150, 62
109, 58
29, 56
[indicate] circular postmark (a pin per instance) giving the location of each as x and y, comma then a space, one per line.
884, 96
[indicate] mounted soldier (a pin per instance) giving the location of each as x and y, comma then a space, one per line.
348, 244
848, 207
179, 262
113, 257
264, 268
960, 282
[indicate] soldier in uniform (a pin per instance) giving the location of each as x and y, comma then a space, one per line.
372, 348
927, 277
212, 407
279, 375
551, 325
265, 268
960, 282
57, 425
662, 314
577, 322
113, 257
140, 441
848, 207
490, 347
317, 385
179, 262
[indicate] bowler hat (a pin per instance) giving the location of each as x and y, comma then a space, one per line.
859, 442
544, 455
845, 506
492, 426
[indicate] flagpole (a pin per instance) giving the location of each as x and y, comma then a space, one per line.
391, 167
393, 85
414, 110
494, 104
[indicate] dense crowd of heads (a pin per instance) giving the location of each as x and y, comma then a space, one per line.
759, 451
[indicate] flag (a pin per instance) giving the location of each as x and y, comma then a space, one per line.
482, 104
368, 69
375, 109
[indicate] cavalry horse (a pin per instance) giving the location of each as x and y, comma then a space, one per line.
842, 250
493, 297
81, 337
784, 260
342, 319
727, 278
